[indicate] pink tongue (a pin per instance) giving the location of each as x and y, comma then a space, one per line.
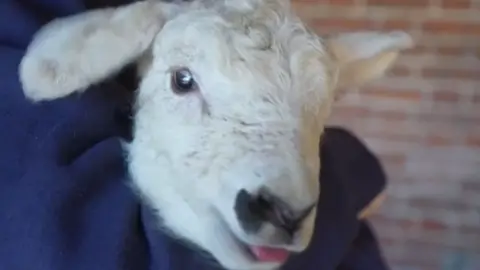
266, 254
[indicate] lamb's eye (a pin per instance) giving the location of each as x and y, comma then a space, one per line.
182, 81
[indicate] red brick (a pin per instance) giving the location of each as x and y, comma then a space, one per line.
441, 50
437, 140
342, 2
451, 73
425, 241
399, 71
404, 94
473, 140
445, 96
452, 51
414, 264
433, 225
340, 24
451, 27
393, 135
476, 98
416, 50
390, 115
399, 3
381, 220
330, 2
362, 112
447, 205
352, 112
456, 4
393, 158
396, 25
424, 256
311, 1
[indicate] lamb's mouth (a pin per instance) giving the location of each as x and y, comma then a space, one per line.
261, 254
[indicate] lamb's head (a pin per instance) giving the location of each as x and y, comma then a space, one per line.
228, 116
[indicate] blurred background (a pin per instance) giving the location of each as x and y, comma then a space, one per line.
423, 122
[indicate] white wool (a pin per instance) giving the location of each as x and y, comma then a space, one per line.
265, 88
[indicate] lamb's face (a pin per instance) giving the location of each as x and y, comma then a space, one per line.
227, 133
228, 116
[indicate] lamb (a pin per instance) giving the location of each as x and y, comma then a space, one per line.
233, 99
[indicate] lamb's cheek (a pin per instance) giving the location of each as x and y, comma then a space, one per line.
188, 108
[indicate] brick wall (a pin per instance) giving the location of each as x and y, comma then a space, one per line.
423, 120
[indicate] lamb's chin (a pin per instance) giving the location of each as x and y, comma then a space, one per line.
233, 254
229, 251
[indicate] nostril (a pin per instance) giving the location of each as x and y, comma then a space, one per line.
252, 211
247, 211
274, 211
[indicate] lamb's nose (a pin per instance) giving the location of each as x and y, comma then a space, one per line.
253, 210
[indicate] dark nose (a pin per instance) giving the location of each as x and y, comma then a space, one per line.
254, 210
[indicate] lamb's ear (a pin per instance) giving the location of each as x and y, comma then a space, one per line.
71, 53
365, 56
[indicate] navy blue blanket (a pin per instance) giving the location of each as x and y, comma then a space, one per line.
64, 202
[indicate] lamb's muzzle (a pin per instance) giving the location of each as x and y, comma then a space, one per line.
253, 210
231, 106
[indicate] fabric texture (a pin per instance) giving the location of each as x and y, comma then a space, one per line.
64, 199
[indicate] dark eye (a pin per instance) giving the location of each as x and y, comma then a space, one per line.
182, 81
